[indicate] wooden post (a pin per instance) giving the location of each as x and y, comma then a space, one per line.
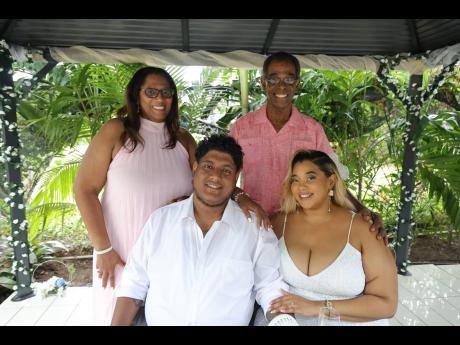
407, 195
244, 90
11, 156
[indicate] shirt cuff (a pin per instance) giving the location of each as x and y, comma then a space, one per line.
268, 296
131, 288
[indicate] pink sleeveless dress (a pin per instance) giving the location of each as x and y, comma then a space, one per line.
137, 184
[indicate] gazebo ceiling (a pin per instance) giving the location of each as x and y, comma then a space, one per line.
340, 37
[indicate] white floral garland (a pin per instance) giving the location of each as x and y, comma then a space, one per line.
53, 286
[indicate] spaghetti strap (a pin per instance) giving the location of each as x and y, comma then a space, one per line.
284, 225
351, 223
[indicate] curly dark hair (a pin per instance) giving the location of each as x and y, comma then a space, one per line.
221, 143
129, 113
282, 56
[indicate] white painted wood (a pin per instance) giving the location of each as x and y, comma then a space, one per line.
431, 296
428, 315
454, 301
453, 284
55, 316
6, 314
406, 318
27, 316
394, 322
451, 269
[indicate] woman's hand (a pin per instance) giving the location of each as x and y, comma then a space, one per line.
105, 266
247, 204
376, 223
293, 304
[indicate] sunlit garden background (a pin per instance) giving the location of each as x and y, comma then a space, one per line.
364, 124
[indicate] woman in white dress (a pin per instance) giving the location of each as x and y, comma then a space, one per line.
328, 256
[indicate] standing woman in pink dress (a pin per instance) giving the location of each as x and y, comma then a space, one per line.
143, 161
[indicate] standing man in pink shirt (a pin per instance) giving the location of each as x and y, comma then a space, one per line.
269, 137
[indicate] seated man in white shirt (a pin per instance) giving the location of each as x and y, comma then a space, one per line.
199, 261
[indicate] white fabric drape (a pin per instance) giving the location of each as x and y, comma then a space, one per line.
237, 58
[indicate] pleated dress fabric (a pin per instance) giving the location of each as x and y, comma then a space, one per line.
137, 184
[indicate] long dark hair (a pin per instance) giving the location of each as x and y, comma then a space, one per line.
130, 115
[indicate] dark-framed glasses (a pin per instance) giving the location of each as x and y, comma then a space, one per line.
153, 93
273, 81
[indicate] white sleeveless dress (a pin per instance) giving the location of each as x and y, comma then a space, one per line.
342, 279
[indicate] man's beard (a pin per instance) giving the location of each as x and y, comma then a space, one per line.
223, 203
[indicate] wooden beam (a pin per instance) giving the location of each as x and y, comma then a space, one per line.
6, 28
270, 35
414, 39
37, 78
185, 35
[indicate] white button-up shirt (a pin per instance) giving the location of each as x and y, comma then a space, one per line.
188, 279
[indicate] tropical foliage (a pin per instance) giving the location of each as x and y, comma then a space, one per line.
64, 112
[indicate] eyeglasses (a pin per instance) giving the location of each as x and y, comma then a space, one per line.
153, 93
273, 81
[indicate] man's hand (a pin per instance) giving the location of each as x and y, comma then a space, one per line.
247, 204
105, 266
376, 223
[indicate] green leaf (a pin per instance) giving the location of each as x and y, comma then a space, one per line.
7, 282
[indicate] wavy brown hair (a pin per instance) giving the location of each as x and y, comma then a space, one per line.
130, 114
327, 166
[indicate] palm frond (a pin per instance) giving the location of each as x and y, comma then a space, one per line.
441, 189
41, 216
56, 185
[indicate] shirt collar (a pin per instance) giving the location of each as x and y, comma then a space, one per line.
295, 120
187, 209
229, 216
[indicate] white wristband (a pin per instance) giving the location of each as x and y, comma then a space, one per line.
100, 252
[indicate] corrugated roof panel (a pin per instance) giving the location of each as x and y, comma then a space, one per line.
217, 35
298, 36
341, 37
158, 34
435, 33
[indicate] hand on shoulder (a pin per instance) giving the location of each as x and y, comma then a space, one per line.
277, 220
365, 237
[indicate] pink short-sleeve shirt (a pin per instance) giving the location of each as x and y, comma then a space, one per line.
267, 153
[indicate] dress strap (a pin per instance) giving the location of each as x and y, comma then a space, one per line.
284, 225
353, 214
